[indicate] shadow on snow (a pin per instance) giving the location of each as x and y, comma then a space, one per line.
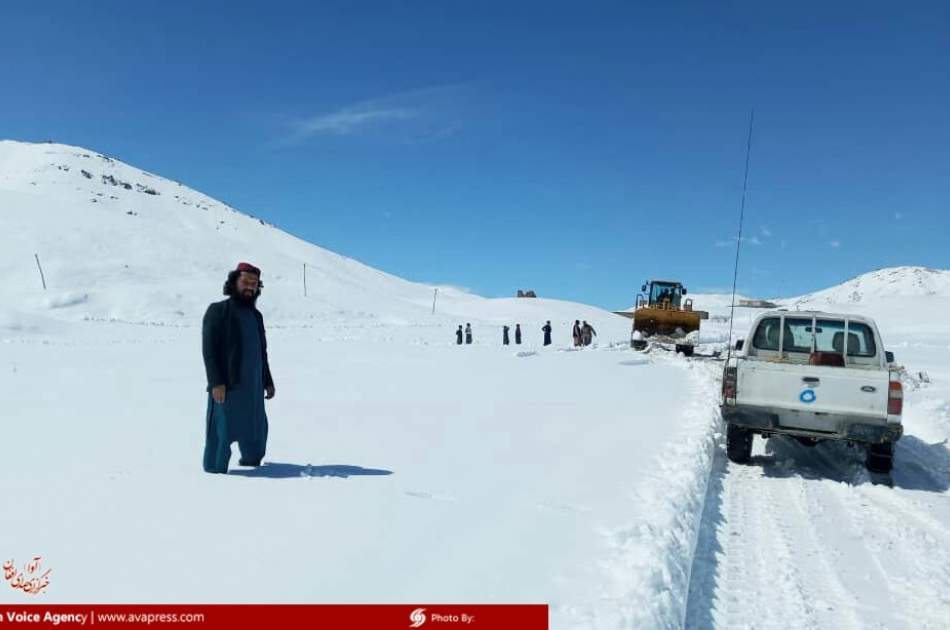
917, 464
278, 470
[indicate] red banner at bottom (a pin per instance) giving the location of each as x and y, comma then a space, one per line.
338, 617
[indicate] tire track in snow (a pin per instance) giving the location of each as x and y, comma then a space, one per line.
913, 556
836, 563
849, 569
907, 545
761, 585
799, 539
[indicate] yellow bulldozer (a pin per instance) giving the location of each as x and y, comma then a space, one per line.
664, 314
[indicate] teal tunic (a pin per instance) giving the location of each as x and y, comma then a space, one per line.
241, 417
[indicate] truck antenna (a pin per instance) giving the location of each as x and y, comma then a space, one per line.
735, 272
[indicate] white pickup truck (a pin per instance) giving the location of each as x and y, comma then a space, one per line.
815, 376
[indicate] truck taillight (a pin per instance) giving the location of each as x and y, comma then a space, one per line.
895, 399
729, 385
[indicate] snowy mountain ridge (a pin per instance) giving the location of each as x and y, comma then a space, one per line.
882, 284
117, 243
104, 230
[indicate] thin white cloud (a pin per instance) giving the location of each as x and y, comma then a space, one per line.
751, 240
898, 216
766, 232
348, 120
422, 115
835, 244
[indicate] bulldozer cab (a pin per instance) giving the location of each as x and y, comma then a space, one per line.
662, 294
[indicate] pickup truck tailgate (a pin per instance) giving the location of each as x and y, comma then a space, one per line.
813, 388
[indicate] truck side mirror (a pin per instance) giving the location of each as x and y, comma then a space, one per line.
739, 344
888, 356
684, 290
643, 288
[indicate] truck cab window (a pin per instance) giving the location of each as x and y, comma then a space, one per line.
767, 335
860, 340
829, 336
798, 335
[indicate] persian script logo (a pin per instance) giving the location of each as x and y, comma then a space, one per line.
417, 617
22, 580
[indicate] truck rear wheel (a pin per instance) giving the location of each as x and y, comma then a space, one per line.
738, 444
880, 457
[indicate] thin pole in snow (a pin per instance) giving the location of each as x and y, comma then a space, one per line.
305, 279
735, 273
40, 267
434, 296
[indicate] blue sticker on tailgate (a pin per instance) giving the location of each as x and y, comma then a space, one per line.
808, 396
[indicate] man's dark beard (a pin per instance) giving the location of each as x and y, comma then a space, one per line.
248, 300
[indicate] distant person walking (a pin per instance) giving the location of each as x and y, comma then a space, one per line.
239, 379
458, 335
547, 333
517, 334
576, 333
587, 333
504, 336
468, 333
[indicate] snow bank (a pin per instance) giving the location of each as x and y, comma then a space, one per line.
648, 569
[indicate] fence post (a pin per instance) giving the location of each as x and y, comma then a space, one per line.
38, 266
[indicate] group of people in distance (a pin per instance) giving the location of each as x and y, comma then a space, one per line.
505, 340
583, 334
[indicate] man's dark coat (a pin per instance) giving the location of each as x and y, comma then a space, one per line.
221, 345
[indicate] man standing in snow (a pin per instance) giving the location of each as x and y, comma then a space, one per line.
518, 334
504, 335
576, 333
468, 333
458, 335
239, 378
547, 333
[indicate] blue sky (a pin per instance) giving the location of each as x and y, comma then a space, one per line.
571, 148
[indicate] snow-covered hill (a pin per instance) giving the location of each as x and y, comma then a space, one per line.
882, 285
905, 300
117, 243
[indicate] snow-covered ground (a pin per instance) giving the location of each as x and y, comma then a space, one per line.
403, 468
400, 467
